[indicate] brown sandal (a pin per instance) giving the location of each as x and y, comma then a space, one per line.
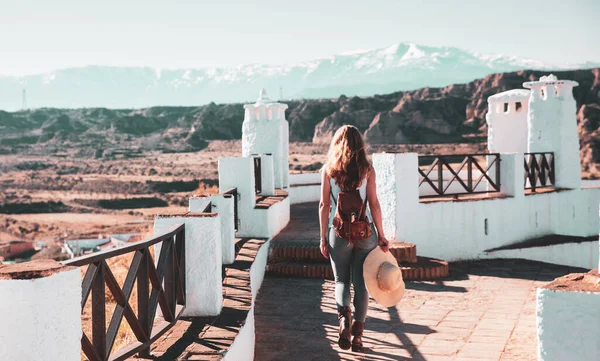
357, 332
344, 316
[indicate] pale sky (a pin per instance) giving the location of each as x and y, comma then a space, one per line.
43, 35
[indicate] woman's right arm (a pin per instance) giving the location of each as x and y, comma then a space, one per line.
324, 208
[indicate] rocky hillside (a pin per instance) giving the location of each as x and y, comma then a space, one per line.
454, 113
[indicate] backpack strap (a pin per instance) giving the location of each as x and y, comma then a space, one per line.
332, 197
363, 209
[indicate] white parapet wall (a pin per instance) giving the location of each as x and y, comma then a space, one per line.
197, 204
459, 230
305, 187
268, 222
203, 260
238, 172
276, 217
568, 325
223, 204
243, 346
40, 309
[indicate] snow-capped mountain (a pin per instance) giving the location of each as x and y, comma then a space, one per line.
402, 66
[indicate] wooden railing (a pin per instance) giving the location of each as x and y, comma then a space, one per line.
539, 170
163, 284
465, 171
233, 192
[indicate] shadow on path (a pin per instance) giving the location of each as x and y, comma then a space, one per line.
509, 268
290, 320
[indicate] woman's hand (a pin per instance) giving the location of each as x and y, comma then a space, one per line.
324, 248
383, 243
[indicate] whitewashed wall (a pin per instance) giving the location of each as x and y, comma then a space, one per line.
305, 187
305, 194
238, 172
198, 203
49, 324
224, 206
243, 346
590, 182
568, 325
305, 178
464, 230
269, 222
203, 261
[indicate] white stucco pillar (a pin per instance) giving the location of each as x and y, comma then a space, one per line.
40, 309
552, 127
224, 206
203, 260
238, 172
398, 192
512, 173
265, 130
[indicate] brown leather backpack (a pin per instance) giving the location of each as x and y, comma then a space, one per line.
350, 221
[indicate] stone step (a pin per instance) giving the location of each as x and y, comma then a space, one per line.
423, 269
300, 251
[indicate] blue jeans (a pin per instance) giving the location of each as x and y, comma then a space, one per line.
347, 262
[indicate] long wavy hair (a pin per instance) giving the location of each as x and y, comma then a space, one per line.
347, 161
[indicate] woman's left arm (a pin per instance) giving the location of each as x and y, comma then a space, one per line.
324, 209
376, 210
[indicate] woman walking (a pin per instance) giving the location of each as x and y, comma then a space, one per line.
347, 234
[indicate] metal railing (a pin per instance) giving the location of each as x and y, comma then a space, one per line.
257, 175
161, 285
470, 171
539, 170
233, 192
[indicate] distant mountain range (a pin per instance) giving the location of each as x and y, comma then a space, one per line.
403, 66
452, 114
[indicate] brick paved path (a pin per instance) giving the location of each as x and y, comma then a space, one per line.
484, 311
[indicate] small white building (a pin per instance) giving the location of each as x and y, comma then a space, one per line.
507, 121
266, 131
